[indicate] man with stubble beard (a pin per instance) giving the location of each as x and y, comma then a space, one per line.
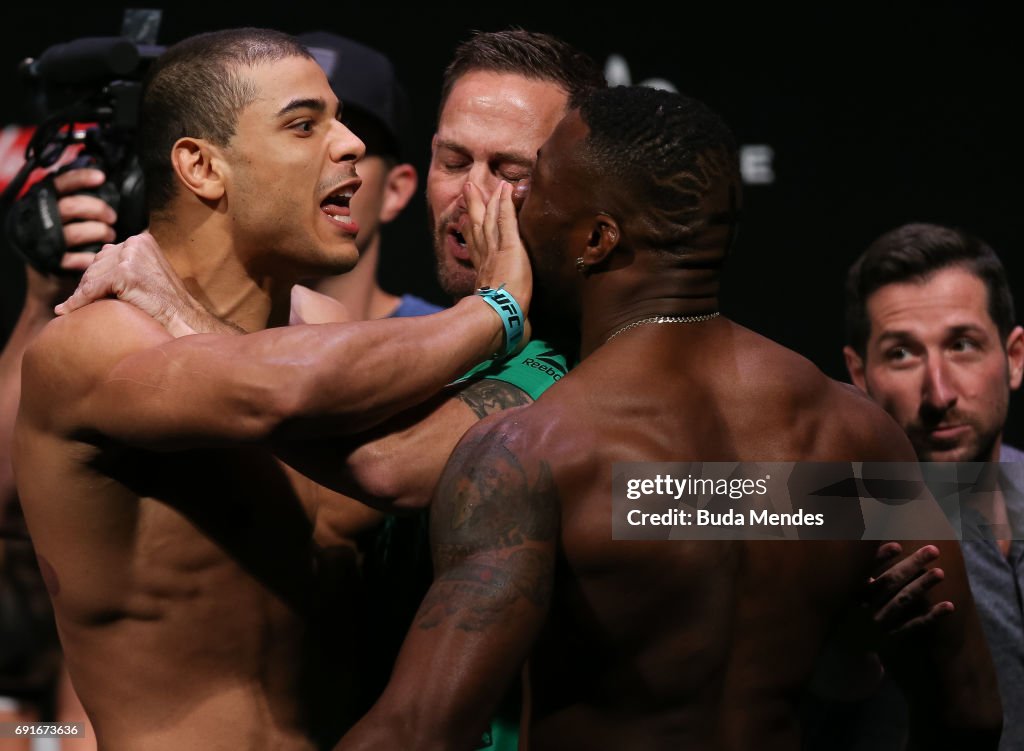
933, 339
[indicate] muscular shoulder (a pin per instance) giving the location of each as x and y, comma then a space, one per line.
74, 352
843, 423
826, 420
863, 426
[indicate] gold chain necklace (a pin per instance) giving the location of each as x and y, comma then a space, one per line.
663, 319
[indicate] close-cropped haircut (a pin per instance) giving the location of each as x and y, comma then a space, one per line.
912, 253
197, 89
530, 54
677, 157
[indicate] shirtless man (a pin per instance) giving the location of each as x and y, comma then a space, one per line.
177, 550
502, 95
645, 645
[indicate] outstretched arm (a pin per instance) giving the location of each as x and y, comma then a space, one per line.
294, 382
299, 381
494, 527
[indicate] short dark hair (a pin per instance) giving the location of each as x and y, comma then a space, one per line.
196, 89
530, 54
912, 253
677, 157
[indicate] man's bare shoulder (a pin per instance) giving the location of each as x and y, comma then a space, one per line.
840, 421
75, 351
865, 421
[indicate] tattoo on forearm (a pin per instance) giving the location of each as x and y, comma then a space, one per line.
487, 396
494, 527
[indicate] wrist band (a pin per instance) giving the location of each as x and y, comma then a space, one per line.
510, 313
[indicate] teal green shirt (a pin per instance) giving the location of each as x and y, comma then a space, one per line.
535, 369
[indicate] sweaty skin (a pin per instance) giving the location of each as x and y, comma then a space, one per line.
649, 645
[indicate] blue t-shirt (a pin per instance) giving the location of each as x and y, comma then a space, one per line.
410, 305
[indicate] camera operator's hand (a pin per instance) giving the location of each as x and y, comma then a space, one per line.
86, 219
137, 272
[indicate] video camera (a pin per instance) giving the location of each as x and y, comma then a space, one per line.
95, 81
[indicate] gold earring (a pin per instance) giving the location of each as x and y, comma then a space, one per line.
581, 266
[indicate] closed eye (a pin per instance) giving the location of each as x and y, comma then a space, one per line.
514, 177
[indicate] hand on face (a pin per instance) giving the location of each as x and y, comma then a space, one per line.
491, 231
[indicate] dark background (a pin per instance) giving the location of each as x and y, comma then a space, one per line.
876, 117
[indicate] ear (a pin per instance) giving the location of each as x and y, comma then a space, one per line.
855, 366
400, 184
603, 237
199, 168
1015, 356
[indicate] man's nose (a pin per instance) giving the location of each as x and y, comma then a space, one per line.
345, 145
939, 388
483, 178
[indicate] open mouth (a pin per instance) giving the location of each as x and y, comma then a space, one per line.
457, 241
336, 206
458, 248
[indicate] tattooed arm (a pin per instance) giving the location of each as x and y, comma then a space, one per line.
494, 529
397, 465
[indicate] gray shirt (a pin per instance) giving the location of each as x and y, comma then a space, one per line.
997, 583
879, 723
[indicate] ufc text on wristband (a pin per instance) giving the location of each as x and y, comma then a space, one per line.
510, 313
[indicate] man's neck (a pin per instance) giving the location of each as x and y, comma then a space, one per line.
612, 300
358, 289
215, 273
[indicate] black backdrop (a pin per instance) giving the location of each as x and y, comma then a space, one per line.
875, 117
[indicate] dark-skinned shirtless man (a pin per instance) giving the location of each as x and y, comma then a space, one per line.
635, 644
